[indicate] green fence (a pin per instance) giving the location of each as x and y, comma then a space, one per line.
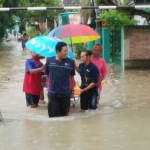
112, 44
115, 46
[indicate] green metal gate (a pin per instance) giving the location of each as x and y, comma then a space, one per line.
115, 46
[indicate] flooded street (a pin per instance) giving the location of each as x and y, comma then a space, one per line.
121, 123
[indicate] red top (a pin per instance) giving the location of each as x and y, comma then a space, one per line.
32, 82
101, 65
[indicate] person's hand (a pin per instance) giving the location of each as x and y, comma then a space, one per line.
43, 78
83, 90
72, 95
43, 68
99, 83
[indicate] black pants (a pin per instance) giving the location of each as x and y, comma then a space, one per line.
88, 100
32, 99
58, 106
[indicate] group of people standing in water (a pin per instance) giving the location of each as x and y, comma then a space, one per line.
59, 71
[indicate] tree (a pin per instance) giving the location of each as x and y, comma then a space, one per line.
115, 19
39, 16
6, 20
85, 13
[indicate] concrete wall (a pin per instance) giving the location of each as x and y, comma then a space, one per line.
137, 47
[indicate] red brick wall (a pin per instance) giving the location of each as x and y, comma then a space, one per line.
139, 43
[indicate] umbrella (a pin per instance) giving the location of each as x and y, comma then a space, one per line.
74, 33
45, 46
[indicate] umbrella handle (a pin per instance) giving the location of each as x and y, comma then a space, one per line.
71, 45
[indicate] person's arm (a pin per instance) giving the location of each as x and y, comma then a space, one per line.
29, 68
72, 76
47, 78
33, 71
103, 73
47, 73
76, 67
72, 80
46, 67
72, 86
89, 87
100, 80
110, 76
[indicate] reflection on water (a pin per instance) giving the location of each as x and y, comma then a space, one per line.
121, 122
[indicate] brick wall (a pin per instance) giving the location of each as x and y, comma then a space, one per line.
139, 43
137, 47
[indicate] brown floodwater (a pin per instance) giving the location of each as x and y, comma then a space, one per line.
121, 122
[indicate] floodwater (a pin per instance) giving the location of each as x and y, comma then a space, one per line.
122, 121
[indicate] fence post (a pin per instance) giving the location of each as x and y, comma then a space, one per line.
99, 31
90, 45
106, 44
122, 48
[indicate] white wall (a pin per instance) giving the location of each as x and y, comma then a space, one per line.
141, 20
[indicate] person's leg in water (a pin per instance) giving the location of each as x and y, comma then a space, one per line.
36, 99
41, 100
54, 107
64, 105
84, 101
24, 48
93, 100
23, 45
30, 100
48, 98
98, 97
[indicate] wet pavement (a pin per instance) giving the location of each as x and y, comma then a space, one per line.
121, 122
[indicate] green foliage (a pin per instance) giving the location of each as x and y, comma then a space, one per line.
1, 3
98, 2
5, 22
115, 19
32, 32
6, 18
78, 49
45, 32
40, 16
125, 2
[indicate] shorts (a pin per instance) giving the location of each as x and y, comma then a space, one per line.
32, 99
58, 106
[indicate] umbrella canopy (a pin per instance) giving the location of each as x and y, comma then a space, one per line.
74, 33
45, 46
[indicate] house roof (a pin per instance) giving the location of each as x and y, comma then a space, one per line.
132, 11
141, 12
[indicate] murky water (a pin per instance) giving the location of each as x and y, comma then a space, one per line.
121, 122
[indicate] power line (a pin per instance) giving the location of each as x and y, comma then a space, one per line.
76, 7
